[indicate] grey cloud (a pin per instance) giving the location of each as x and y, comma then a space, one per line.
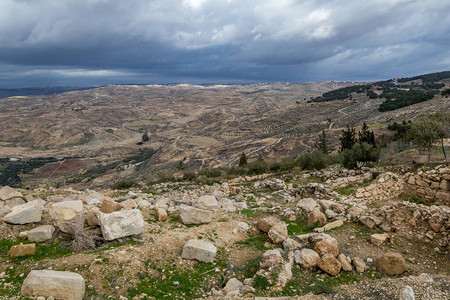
219, 41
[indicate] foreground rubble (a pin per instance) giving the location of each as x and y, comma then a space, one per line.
272, 237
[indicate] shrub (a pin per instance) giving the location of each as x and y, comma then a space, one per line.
124, 184
189, 176
360, 153
313, 161
210, 172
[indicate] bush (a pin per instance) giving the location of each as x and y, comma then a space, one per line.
360, 153
210, 173
257, 167
314, 161
189, 176
124, 184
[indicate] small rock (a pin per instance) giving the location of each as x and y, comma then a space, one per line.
109, 206
207, 202
333, 225
378, 239
345, 262
121, 224
22, 250
270, 258
360, 265
266, 223
41, 234
329, 264
161, 214
307, 204
278, 233
307, 258
317, 218
199, 250
324, 247
391, 264
408, 293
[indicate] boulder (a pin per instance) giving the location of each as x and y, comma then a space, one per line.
307, 204
56, 284
109, 206
121, 224
316, 218
41, 234
345, 262
329, 264
325, 247
266, 223
22, 250
199, 250
391, 264
278, 233
291, 244
68, 215
24, 214
129, 204
207, 202
192, 215
307, 258
378, 239
161, 214
232, 287
360, 265
7, 192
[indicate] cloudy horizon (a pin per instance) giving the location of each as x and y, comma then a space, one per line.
98, 42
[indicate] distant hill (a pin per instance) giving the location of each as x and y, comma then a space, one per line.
38, 91
397, 92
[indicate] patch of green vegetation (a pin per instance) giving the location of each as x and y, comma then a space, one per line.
251, 267
12, 283
11, 170
261, 282
109, 130
254, 240
179, 282
43, 251
299, 226
124, 185
223, 220
350, 189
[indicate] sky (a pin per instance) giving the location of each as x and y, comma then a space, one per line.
99, 42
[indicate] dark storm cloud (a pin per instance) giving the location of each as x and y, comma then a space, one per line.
116, 41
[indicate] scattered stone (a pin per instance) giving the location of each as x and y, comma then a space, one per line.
408, 293
354, 213
232, 287
278, 233
192, 215
391, 264
317, 218
121, 224
199, 250
285, 275
161, 214
369, 222
266, 223
307, 204
378, 239
24, 214
345, 262
23, 235
108, 206
129, 204
22, 250
68, 214
7, 192
333, 225
307, 258
360, 265
41, 234
57, 284
329, 264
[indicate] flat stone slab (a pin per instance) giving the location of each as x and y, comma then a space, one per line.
22, 250
121, 224
199, 250
58, 284
24, 214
